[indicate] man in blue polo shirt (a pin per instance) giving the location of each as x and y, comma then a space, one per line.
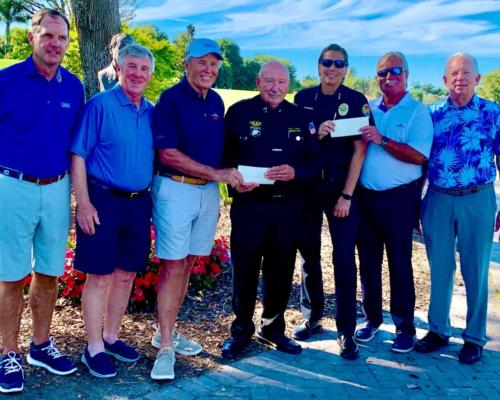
389, 200
39, 105
189, 135
460, 205
111, 171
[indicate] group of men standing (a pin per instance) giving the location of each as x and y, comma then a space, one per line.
131, 163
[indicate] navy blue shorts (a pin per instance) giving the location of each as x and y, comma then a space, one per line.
123, 238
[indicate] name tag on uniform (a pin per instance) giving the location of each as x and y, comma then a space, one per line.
65, 105
276, 149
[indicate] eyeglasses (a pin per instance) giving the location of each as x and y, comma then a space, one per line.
394, 71
327, 63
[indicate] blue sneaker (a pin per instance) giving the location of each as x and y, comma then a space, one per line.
121, 351
11, 373
47, 356
404, 342
100, 365
365, 333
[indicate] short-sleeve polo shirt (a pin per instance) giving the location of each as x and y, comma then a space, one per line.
115, 139
37, 119
194, 125
407, 122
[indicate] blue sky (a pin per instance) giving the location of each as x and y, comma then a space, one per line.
426, 31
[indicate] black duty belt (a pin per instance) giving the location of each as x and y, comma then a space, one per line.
117, 192
461, 192
28, 178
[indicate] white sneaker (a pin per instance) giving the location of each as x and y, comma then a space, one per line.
182, 344
163, 367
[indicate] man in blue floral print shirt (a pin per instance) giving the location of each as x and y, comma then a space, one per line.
460, 205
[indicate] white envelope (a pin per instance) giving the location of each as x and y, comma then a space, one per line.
254, 175
348, 126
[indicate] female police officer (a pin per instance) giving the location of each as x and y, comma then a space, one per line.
334, 194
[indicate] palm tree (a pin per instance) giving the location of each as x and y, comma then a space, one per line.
12, 11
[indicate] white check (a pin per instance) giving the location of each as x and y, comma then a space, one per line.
254, 175
348, 126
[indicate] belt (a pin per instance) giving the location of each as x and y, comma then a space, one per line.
404, 186
118, 192
28, 178
185, 179
460, 192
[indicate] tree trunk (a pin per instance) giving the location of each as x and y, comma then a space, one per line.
7, 35
96, 21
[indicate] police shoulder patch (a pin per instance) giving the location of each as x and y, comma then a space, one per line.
365, 109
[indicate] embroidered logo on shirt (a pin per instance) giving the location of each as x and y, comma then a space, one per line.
65, 105
255, 128
215, 116
343, 109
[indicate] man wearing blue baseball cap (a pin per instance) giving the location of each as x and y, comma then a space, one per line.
188, 133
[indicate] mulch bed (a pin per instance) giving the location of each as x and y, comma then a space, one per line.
207, 319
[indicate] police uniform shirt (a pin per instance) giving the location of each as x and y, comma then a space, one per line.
259, 136
336, 153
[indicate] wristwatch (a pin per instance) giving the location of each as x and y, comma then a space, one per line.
384, 142
346, 196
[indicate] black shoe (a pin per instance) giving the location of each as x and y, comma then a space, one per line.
470, 353
306, 329
430, 342
281, 343
348, 347
234, 346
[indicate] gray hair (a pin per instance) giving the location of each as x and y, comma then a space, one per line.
135, 50
461, 54
396, 54
273, 62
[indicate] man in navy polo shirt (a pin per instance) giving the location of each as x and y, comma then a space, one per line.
39, 105
189, 135
111, 171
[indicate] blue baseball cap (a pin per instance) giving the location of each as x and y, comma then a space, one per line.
201, 47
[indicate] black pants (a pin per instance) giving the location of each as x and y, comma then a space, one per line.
388, 218
343, 233
263, 234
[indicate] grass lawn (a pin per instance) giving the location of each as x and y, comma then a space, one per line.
231, 96
5, 62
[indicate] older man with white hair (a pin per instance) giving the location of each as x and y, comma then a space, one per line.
188, 126
460, 205
112, 168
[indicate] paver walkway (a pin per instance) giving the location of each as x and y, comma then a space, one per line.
320, 373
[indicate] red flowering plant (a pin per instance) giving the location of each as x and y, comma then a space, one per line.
70, 285
72, 281
203, 275
143, 297
146, 284
206, 269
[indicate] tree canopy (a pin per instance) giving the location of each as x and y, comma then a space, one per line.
489, 87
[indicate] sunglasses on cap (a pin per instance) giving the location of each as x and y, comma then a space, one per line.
327, 63
394, 71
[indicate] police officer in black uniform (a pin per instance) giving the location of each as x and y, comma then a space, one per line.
267, 131
334, 193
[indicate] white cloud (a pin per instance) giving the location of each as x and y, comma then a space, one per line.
174, 9
365, 27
